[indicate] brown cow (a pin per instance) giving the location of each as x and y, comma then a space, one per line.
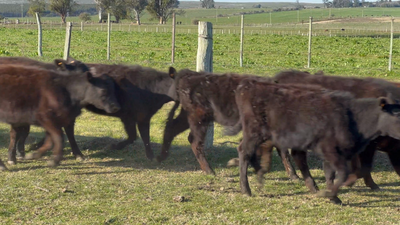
141, 92
361, 88
205, 97
35, 96
335, 125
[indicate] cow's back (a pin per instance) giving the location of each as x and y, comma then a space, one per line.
360, 88
142, 77
295, 116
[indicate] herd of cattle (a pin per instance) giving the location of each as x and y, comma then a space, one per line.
343, 120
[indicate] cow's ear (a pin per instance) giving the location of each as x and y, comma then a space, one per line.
61, 64
383, 101
172, 72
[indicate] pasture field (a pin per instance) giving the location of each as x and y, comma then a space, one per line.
123, 187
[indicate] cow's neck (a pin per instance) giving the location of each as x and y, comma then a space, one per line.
76, 85
366, 116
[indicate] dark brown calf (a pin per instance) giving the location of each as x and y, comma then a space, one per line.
35, 96
360, 88
335, 125
204, 97
18, 134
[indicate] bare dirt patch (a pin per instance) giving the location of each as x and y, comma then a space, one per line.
356, 20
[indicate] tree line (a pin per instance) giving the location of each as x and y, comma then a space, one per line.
161, 10
358, 3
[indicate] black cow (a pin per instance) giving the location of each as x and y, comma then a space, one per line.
35, 96
335, 125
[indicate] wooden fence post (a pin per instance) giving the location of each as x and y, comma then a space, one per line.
241, 40
391, 45
205, 63
81, 25
173, 38
39, 34
67, 40
309, 43
108, 36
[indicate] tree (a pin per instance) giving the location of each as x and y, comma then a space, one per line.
162, 9
85, 17
36, 6
208, 4
115, 7
62, 7
137, 6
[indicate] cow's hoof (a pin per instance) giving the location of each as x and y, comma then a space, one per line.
80, 158
325, 194
374, 187
20, 157
11, 162
336, 200
160, 158
53, 163
233, 162
32, 155
150, 156
294, 177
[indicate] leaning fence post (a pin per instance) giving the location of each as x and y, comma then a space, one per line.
309, 43
205, 63
67, 40
391, 44
81, 25
39, 34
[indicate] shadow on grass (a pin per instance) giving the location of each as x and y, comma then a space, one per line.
181, 158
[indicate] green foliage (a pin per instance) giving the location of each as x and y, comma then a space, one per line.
137, 7
85, 17
62, 7
118, 8
36, 6
208, 4
162, 9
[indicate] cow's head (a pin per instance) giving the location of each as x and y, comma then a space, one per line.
71, 65
101, 93
389, 118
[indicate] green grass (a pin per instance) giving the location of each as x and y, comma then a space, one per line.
123, 187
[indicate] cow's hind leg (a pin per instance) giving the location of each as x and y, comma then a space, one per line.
366, 159
300, 158
264, 157
47, 144
172, 129
246, 151
12, 158
394, 157
69, 131
130, 128
291, 172
23, 134
144, 129
198, 132
337, 164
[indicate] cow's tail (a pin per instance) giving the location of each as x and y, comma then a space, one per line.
233, 130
